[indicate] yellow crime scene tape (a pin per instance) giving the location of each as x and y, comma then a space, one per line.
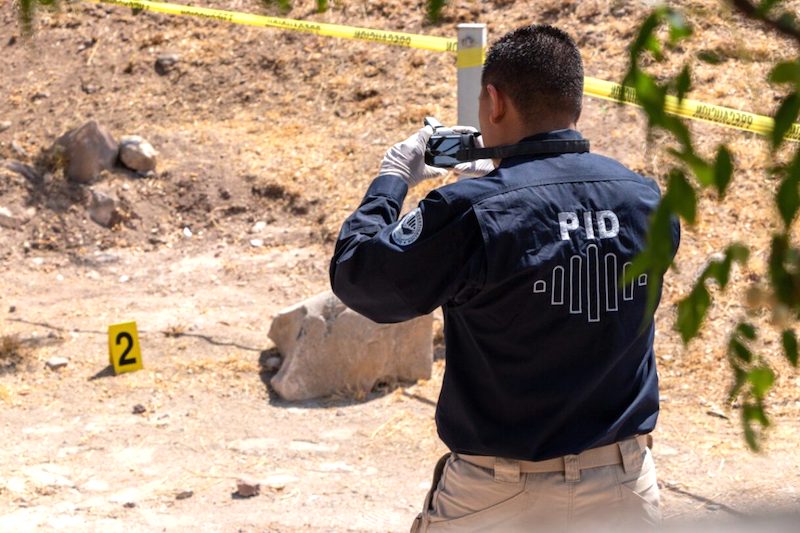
466, 58
691, 109
408, 40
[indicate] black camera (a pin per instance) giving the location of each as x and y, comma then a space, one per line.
445, 145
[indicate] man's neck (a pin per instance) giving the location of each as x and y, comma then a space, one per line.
524, 133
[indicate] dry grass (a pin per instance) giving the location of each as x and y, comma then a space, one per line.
12, 353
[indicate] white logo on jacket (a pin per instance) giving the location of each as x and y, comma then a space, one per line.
409, 229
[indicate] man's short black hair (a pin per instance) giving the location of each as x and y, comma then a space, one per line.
539, 67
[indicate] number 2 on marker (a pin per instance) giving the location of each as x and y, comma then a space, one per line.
123, 348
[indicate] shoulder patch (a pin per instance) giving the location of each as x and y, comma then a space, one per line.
409, 229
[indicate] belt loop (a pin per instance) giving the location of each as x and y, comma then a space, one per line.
572, 469
507, 470
632, 457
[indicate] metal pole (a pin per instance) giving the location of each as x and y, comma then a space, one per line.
471, 52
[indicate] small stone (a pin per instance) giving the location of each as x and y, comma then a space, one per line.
258, 227
102, 209
185, 495
124, 278
8, 220
87, 44
139, 409
137, 154
247, 489
187, 233
12, 309
256, 243
279, 481
55, 363
166, 62
129, 505
59, 277
272, 364
4, 125
18, 149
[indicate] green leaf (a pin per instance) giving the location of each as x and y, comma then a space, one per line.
701, 169
679, 129
784, 118
740, 378
788, 198
692, 310
738, 252
782, 282
753, 412
720, 270
679, 28
683, 82
739, 351
711, 57
681, 196
786, 72
761, 380
790, 346
750, 437
651, 96
645, 35
748, 331
723, 170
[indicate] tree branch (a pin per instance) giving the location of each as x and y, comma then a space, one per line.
782, 26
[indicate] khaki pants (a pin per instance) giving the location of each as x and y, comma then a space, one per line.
468, 497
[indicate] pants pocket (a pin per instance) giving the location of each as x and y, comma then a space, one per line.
469, 497
639, 493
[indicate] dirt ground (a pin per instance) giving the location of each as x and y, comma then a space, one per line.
260, 125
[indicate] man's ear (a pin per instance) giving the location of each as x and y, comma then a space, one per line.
497, 103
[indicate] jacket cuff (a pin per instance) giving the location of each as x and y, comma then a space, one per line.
389, 185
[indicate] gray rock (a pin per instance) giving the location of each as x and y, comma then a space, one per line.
4, 125
137, 154
8, 220
54, 363
18, 149
102, 209
328, 348
166, 62
88, 150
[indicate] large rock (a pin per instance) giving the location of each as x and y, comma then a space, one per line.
328, 348
87, 151
137, 154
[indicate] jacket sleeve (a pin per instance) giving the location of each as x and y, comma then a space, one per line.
392, 270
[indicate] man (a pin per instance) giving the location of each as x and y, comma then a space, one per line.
550, 384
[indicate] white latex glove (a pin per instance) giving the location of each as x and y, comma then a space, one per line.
473, 169
407, 159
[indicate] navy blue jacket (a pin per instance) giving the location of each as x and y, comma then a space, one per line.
547, 353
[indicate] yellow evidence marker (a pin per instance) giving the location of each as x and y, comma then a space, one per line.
123, 348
